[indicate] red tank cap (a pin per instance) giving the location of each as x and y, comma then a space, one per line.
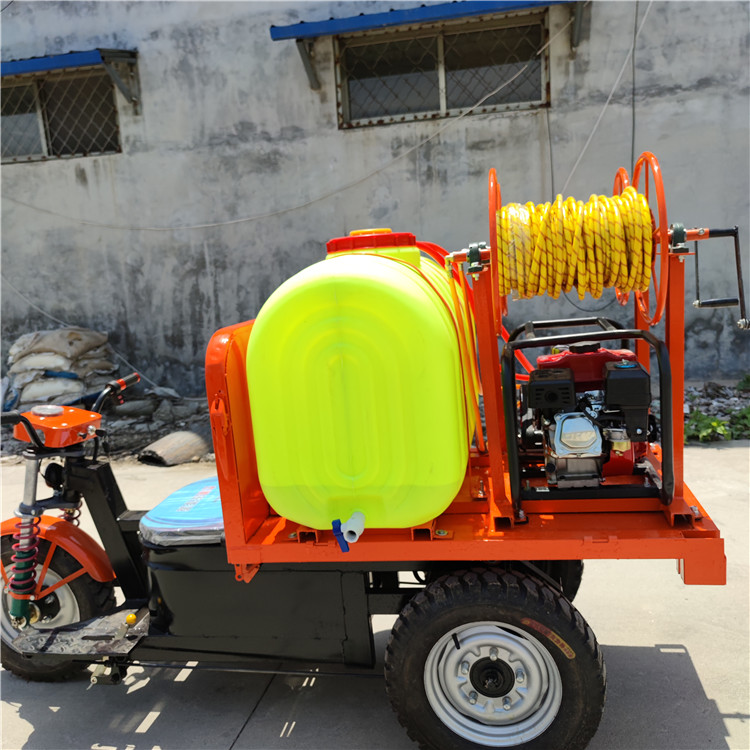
370, 239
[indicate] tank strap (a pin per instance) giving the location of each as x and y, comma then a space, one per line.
465, 339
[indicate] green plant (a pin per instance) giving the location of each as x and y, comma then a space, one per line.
703, 427
744, 384
739, 424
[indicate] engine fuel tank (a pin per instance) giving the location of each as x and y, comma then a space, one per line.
588, 368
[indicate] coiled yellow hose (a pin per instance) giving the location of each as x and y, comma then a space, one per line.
552, 247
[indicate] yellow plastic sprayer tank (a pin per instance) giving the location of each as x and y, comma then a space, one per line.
357, 392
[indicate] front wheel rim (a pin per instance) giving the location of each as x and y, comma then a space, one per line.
56, 609
493, 684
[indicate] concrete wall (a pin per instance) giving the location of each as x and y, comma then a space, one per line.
231, 130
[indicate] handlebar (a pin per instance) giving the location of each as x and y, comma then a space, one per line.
114, 387
12, 418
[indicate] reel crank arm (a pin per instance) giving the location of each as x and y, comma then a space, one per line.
704, 234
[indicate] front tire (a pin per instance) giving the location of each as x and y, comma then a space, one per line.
81, 599
486, 658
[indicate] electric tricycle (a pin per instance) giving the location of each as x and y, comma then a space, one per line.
385, 446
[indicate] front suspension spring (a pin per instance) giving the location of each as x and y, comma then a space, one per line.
22, 581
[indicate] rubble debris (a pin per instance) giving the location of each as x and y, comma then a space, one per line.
137, 407
713, 399
178, 447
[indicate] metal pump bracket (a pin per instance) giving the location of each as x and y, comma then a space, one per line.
679, 236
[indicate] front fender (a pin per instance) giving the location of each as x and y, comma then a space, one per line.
76, 542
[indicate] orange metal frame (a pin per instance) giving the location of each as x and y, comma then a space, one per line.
481, 523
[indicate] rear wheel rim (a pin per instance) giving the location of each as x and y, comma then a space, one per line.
493, 684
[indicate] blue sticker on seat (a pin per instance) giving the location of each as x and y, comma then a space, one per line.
191, 515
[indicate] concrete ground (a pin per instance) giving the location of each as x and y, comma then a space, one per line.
677, 658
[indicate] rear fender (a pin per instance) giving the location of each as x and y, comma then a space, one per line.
76, 542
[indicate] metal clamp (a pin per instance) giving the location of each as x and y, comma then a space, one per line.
475, 257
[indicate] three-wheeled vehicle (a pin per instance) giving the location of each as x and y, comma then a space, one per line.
353, 460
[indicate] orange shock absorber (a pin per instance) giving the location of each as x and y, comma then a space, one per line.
23, 576
22, 580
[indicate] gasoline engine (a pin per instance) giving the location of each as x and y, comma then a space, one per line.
585, 414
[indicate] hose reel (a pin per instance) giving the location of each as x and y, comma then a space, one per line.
552, 247
609, 241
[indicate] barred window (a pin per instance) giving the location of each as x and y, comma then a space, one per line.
59, 114
387, 77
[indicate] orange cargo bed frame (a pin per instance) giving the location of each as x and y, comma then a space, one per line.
482, 523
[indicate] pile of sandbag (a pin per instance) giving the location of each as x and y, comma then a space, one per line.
56, 366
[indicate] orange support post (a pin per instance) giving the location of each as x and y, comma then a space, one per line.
675, 341
489, 363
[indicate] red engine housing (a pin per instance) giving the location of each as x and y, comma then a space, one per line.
588, 373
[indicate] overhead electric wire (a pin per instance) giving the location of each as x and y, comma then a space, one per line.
551, 160
64, 324
451, 122
279, 212
632, 153
609, 99
34, 306
632, 92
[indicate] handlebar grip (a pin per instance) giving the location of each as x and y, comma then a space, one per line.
122, 383
732, 232
115, 386
721, 302
10, 418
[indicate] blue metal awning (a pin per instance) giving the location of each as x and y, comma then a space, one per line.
52, 62
107, 58
68, 60
422, 14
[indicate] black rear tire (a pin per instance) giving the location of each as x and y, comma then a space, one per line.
486, 658
567, 573
81, 599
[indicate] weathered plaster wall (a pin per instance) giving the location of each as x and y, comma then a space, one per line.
230, 129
